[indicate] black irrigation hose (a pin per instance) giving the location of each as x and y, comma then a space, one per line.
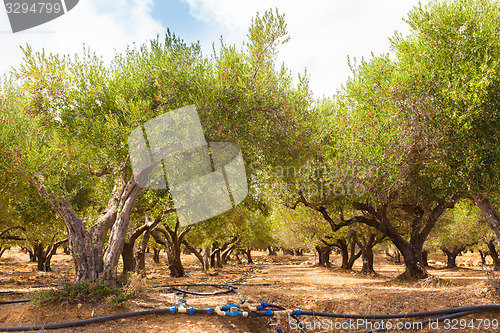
83, 322
15, 301
475, 308
229, 289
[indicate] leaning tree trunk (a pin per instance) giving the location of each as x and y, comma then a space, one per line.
494, 256
140, 255
490, 214
248, 254
198, 254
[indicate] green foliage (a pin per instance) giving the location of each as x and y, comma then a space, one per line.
83, 292
449, 77
462, 226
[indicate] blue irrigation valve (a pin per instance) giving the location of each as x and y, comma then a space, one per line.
191, 310
269, 313
172, 310
298, 312
234, 313
228, 306
210, 310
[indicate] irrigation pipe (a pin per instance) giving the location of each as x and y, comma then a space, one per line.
235, 310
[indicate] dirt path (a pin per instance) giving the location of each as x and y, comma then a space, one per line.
293, 283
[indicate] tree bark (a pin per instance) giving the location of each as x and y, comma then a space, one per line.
43, 255
324, 255
271, 250
129, 246
490, 214
172, 240
156, 255
140, 255
421, 227
494, 255
86, 246
451, 255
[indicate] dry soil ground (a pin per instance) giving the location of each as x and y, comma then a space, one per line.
294, 283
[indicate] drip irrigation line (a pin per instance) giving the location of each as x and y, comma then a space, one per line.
115, 316
475, 308
15, 301
232, 310
185, 291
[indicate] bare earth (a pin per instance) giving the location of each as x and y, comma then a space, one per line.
295, 283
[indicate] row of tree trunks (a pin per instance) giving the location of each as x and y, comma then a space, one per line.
271, 251
215, 256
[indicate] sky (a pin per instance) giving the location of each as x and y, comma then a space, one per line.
323, 32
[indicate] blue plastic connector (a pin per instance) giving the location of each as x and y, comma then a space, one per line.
173, 310
210, 310
298, 312
234, 313
260, 307
269, 313
191, 310
228, 306
264, 304
279, 330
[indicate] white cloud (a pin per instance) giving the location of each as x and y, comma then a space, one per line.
323, 32
105, 26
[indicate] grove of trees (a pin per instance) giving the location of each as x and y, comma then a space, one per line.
406, 153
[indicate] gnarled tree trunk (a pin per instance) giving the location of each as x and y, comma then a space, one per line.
324, 252
172, 240
451, 254
87, 246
